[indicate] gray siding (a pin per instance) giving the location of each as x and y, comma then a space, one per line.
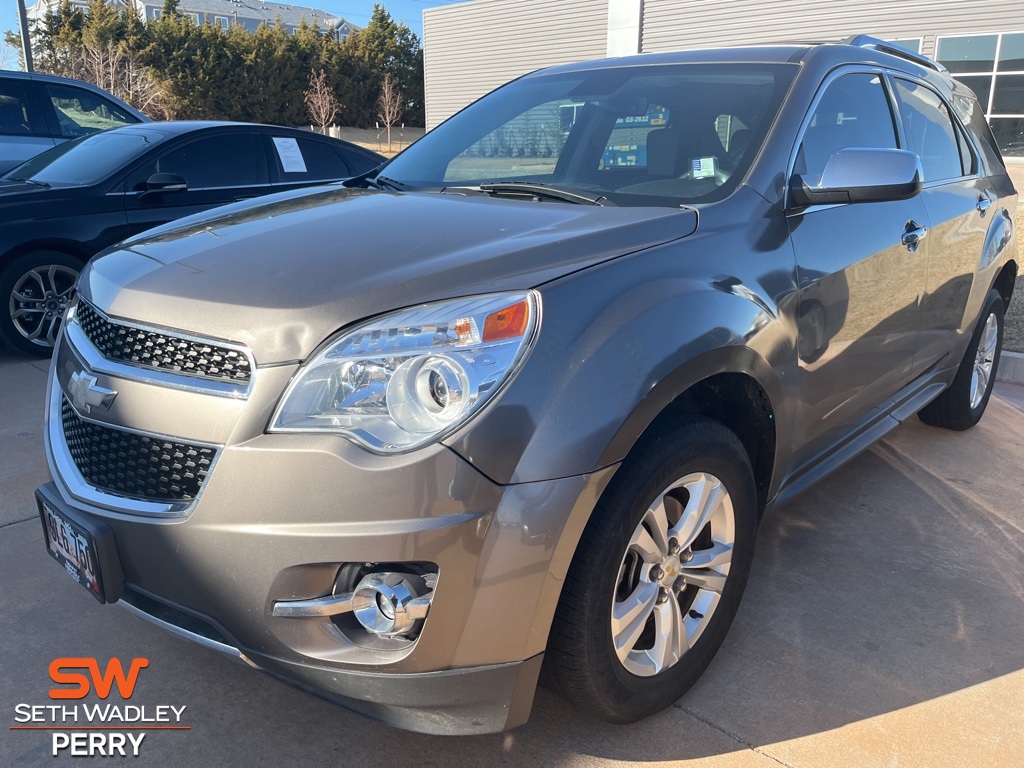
473, 48
670, 25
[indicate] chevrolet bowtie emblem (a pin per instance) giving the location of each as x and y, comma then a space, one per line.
84, 392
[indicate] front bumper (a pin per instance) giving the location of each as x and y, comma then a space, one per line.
280, 514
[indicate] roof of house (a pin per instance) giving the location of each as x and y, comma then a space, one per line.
258, 9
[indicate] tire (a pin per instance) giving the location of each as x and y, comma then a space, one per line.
582, 663
963, 402
34, 290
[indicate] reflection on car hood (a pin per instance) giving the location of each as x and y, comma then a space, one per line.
281, 276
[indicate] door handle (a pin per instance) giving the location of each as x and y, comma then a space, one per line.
914, 235
984, 203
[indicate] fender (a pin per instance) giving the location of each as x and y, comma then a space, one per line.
614, 356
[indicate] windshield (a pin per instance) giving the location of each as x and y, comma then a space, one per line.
86, 160
644, 135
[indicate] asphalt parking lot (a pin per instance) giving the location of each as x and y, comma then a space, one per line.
882, 626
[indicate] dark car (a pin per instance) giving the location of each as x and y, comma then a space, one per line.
520, 399
72, 201
38, 112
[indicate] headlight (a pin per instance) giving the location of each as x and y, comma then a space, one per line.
410, 378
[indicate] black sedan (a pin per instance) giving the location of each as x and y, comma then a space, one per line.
64, 206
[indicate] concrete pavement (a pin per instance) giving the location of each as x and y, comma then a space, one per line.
882, 627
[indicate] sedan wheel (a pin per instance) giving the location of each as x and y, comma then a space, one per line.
38, 288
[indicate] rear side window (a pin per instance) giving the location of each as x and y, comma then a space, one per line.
931, 133
854, 111
13, 109
81, 112
972, 114
307, 160
227, 160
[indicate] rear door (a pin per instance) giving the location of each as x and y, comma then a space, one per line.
860, 284
23, 130
296, 161
960, 203
219, 169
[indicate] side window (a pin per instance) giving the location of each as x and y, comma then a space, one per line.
931, 132
307, 160
972, 114
627, 143
228, 160
13, 109
854, 111
81, 112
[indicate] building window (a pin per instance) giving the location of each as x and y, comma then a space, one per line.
991, 65
912, 44
157, 13
195, 18
221, 21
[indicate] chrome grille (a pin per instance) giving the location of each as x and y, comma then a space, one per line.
133, 465
118, 341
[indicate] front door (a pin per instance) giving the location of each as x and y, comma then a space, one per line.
218, 169
860, 284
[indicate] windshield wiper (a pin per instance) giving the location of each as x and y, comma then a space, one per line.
32, 181
383, 182
551, 191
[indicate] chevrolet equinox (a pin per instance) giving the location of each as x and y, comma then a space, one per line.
511, 406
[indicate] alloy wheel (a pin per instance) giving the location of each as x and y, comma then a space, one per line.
984, 360
38, 301
673, 573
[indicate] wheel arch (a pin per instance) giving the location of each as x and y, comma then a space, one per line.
66, 247
1005, 281
733, 386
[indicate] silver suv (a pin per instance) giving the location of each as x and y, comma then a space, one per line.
517, 401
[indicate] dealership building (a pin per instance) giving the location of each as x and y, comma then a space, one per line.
473, 47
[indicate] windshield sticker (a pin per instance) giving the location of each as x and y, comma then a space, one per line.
290, 154
702, 167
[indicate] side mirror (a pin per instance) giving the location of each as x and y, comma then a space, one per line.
165, 182
856, 175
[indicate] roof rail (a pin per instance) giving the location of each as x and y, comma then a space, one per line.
893, 49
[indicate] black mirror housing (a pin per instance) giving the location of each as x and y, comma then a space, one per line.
860, 175
165, 182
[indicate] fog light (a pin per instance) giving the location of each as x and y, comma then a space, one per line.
390, 604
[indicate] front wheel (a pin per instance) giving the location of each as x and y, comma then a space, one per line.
658, 575
34, 290
963, 403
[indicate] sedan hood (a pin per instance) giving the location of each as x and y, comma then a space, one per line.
281, 276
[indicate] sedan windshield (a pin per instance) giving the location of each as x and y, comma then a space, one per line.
644, 135
86, 160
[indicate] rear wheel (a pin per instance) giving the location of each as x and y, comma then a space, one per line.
34, 290
963, 403
658, 575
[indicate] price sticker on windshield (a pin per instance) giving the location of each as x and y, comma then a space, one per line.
702, 168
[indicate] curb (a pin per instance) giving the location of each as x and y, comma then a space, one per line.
1011, 368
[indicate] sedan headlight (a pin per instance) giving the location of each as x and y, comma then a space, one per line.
409, 378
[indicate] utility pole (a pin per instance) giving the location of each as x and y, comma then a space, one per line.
26, 37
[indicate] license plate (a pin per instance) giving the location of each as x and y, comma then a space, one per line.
84, 550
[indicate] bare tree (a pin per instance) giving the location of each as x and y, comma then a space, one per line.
321, 102
390, 104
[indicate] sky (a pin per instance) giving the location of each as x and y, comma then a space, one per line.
356, 11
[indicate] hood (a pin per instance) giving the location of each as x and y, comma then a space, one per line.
282, 276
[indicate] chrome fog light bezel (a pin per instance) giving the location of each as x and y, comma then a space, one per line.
379, 594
